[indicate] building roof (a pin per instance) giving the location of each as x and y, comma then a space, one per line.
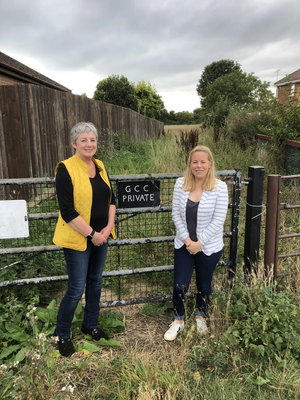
14, 69
291, 78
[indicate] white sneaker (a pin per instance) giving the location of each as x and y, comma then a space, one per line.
201, 326
173, 331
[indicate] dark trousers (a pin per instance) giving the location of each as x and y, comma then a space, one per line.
184, 264
85, 268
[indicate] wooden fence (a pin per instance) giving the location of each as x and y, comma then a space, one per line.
35, 122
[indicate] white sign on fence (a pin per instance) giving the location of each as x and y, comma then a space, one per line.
13, 219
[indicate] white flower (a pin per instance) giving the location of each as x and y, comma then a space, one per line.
69, 388
53, 339
42, 336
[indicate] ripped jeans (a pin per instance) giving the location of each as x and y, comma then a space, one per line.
184, 264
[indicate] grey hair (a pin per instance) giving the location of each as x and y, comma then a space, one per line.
82, 127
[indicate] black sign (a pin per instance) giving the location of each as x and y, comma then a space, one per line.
138, 194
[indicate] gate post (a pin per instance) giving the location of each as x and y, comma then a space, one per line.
236, 203
253, 218
272, 224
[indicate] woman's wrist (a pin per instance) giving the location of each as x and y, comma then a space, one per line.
187, 241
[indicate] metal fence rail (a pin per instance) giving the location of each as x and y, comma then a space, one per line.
139, 263
282, 222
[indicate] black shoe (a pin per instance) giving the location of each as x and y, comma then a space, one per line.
96, 333
65, 347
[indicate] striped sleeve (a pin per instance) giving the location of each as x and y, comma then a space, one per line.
178, 211
214, 222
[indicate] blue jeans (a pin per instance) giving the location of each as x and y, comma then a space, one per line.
84, 268
184, 264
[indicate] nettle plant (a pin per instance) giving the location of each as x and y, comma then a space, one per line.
266, 322
26, 330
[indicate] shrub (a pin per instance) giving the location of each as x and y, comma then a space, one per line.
242, 126
266, 322
283, 122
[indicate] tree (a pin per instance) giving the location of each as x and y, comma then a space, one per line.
213, 71
217, 116
198, 115
237, 89
185, 118
117, 90
150, 102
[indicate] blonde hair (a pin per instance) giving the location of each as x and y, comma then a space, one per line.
189, 178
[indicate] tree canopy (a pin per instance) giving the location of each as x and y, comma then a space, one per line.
181, 117
238, 88
214, 71
117, 90
142, 97
150, 102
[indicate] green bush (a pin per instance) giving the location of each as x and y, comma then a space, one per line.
242, 126
265, 322
283, 121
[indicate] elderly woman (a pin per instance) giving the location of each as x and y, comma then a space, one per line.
86, 219
200, 204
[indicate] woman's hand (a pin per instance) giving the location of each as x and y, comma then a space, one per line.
193, 247
101, 237
106, 232
98, 239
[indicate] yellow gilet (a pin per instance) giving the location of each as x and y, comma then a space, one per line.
64, 235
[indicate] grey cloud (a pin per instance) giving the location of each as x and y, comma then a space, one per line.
167, 42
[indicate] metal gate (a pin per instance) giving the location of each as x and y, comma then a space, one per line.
139, 263
282, 222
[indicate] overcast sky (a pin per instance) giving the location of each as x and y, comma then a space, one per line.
167, 42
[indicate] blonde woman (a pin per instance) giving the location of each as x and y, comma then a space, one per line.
200, 203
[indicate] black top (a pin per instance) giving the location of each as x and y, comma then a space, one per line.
101, 195
191, 218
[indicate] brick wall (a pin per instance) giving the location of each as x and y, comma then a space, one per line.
284, 93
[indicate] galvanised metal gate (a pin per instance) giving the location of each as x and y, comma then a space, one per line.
139, 263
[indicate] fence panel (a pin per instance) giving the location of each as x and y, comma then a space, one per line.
139, 263
35, 122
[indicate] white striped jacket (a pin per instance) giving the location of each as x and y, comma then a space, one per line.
211, 216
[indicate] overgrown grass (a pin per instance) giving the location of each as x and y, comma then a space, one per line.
252, 351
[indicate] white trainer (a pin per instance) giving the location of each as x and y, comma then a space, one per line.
201, 326
173, 331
